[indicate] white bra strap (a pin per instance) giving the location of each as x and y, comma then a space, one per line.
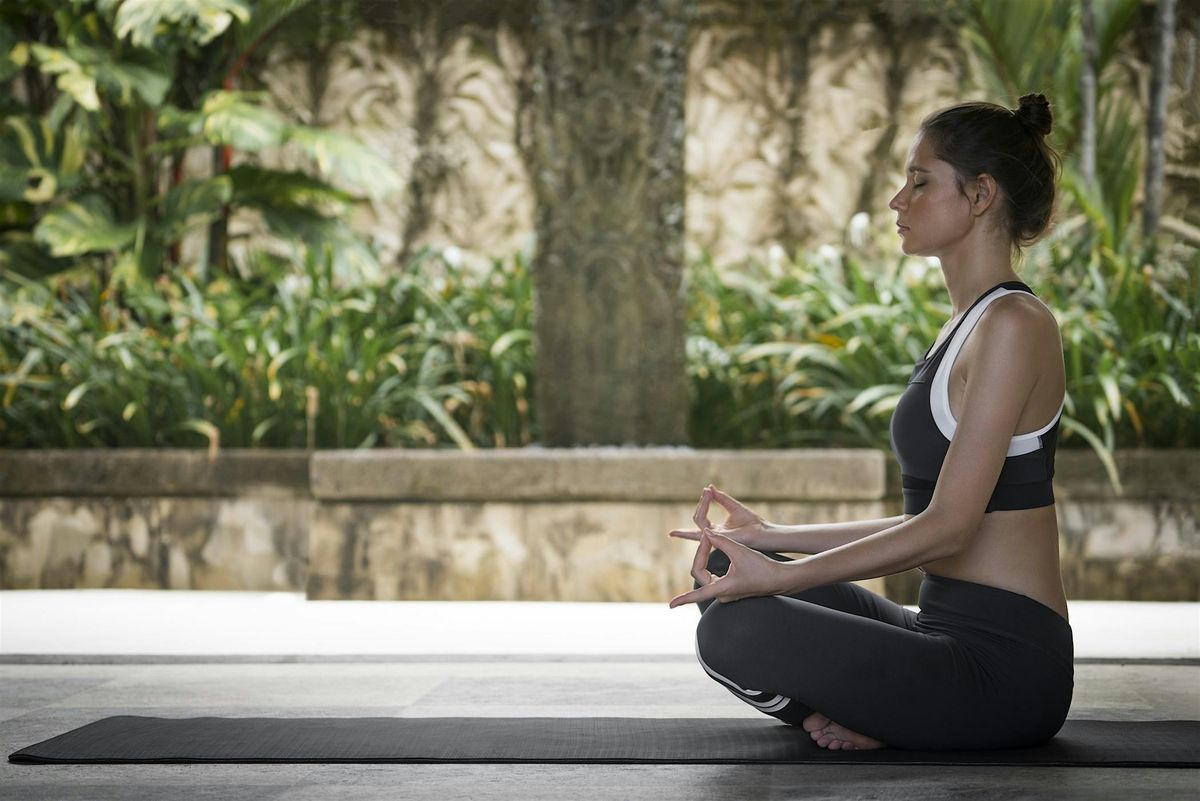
939, 393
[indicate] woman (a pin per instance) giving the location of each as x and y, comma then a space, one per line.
988, 661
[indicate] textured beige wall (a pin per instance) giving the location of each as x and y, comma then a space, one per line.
736, 135
589, 524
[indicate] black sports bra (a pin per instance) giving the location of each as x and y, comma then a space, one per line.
922, 427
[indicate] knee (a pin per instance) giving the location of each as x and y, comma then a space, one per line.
728, 632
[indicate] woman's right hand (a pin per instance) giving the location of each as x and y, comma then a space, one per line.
743, 525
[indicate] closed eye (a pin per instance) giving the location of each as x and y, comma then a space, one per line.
916, 185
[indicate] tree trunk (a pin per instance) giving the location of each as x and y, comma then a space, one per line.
1160, 82
608, 137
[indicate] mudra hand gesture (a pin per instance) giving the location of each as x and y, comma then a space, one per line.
750, 573
742, 525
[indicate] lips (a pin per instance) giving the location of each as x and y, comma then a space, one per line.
900, 227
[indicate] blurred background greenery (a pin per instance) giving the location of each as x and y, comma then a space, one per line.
112, 334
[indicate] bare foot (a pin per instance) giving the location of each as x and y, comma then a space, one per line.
833, 736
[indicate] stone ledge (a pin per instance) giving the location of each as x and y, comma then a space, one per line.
545, 474
153, 472
599, 474
1145, 473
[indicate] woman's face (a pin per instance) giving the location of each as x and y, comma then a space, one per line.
935, 215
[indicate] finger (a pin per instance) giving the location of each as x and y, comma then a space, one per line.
700, 561
684, 533
723, 499
723, 543
700, 516
694, 596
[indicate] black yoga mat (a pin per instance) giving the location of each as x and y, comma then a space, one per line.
131, 738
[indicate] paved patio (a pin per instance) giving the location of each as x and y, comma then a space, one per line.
68, 658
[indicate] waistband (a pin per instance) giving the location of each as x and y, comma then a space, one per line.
958, 603
918, 492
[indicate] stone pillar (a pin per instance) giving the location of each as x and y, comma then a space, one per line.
608, 174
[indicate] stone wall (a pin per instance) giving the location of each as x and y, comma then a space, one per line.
583, 524
154, 519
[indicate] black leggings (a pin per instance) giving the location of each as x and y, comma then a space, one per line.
977, 667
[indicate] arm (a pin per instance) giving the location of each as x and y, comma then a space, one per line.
818, 537
997, 387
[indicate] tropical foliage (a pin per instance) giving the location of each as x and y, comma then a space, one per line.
1024, 45
110, 336
809, 353
290, 358
119, 92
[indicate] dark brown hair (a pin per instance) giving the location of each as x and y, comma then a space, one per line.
1010, 145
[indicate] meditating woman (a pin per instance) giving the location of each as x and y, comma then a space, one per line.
988, 660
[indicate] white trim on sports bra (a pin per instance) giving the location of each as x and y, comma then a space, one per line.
939, 393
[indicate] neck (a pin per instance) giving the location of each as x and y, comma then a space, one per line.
969, 275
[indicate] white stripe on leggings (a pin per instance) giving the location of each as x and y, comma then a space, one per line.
773, 705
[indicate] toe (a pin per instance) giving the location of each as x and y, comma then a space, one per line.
815, 721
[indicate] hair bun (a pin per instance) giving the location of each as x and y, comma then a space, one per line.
1034, 112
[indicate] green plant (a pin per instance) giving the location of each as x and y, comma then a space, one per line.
817, 353
116, 92
287, 358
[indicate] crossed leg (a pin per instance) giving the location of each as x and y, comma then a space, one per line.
714, 640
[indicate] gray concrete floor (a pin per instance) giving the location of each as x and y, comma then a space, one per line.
38, 701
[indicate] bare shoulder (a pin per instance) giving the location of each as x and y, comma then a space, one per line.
1021, 320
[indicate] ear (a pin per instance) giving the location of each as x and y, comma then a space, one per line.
983, 193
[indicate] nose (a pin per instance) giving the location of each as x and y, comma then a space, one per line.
893, 204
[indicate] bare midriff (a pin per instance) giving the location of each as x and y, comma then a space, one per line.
1015, 550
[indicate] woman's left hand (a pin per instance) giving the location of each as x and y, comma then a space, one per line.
750, 573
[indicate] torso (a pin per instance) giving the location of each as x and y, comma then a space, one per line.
1017, 549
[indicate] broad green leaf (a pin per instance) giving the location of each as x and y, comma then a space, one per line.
266, 188
72, 141
237, 120
30, 135
149, 81
41, 186
287, 201
193, 203
144, 20
13, 182
21, 254
82, 226
176, 123
72, 79
36, 161
342, 157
